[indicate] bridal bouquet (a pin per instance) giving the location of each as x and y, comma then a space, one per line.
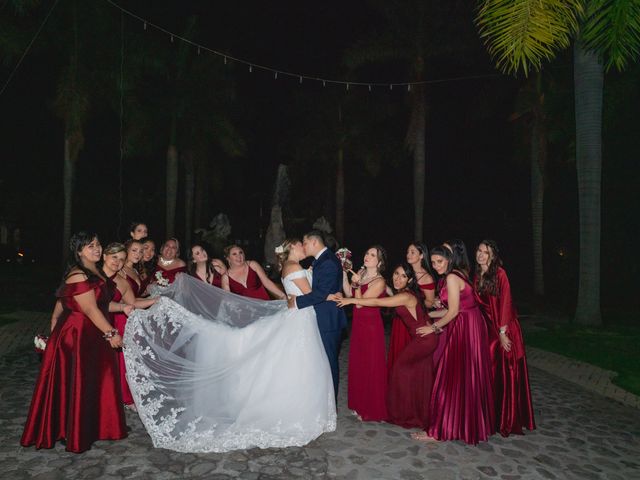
344, 255
161, 281
40, 343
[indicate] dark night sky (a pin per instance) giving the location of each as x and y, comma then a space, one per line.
476, 186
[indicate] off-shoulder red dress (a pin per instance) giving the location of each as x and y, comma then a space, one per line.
77, 394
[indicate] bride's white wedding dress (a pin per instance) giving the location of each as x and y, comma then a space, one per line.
211, 371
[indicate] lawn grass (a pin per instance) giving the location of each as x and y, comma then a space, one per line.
614, 347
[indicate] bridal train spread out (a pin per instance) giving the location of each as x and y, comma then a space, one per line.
211, 371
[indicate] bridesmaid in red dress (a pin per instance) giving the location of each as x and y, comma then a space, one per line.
211, 271
367, 376
77, 395
417, 257
138, 230
169, 263
147, 267
131, 266
113, 259
511, 390
411, 377
248, 278
462, 399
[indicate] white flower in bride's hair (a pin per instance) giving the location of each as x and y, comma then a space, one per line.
279, 249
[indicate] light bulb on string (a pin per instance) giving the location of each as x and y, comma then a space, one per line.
347, 87
408, 87
275, 75
369, 87
198, 50
391, 86
225, 60
144, 25
324, 83
171, 38
300, 78
250, 68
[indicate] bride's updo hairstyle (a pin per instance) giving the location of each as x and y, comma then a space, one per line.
282, 251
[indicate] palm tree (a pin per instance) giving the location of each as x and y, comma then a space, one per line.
188, 96
75, 31
520, 36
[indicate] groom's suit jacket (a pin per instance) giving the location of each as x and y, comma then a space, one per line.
327, 278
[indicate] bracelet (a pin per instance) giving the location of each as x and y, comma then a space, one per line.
436, 329
503, 330
110, 334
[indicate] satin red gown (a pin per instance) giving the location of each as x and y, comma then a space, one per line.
254, 288
119, 320
411, 377
367, 376
77, 395
462, 406
168, 274
399, 334
511, 389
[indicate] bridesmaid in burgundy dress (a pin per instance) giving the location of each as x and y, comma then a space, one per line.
147, 267
131, 265
417, 257
411, 377
462, 399
113, 259
248, 278
138, 230
511, 390
367, 384
211, 271
169, 262
77, 394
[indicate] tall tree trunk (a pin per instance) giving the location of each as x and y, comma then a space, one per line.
538, 162
589, 81
419, 159
537, 211
172, 182
68, 176
200, 194
340, 188
189, 187
340, 197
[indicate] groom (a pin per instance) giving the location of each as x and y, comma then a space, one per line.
327, 279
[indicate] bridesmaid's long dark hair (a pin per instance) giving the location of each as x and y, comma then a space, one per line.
424, 251
488, 283
77, 242
192, 267
459, 257
412, 284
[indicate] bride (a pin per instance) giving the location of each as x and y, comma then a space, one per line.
211, 371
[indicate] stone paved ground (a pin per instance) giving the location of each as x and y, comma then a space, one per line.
580, 435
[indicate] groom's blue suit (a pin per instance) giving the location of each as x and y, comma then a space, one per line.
327, 279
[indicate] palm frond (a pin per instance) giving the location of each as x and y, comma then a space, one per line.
521, 34
612, 29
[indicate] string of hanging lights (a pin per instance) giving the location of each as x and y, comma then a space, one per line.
278, 73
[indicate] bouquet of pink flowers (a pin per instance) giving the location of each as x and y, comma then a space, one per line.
344, 255
40, 343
